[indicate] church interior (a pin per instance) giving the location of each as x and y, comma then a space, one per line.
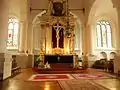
59, 44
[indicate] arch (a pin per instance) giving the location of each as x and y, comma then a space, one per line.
113, 55
13, 15
99, 11
103, 55
38, 15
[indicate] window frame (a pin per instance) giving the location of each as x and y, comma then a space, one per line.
108, 44
13, 21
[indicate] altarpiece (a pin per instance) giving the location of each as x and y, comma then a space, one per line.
55, 25
57, 32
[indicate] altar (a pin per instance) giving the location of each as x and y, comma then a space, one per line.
57, 34
61, 60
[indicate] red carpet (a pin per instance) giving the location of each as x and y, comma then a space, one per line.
80, 85
91, 76
46, 77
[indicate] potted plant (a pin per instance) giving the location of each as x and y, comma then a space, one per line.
38, 61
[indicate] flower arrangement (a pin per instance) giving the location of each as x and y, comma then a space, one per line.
38, 61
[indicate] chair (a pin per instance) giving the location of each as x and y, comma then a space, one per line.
102, 63
110, 66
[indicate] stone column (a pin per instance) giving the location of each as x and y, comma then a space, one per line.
3, 25
21, 42
23, 37
24, 24
84, 39
67, 46
118, 32
72, 42
89, 39
5, 63
29, 37
48, 39
43, 38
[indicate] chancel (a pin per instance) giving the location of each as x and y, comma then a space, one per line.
77, 39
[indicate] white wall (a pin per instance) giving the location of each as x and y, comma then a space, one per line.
103, 9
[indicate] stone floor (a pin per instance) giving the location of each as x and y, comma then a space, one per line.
19, 82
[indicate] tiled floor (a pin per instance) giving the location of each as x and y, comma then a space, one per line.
20, 82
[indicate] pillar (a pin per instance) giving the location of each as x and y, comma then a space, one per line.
48, 39
87, 40
3, 25
43, 38
84, 39
22, 45
23, 25
5, 58
118, 32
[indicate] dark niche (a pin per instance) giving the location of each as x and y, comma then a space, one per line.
58, 9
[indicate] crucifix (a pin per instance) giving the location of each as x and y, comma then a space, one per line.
57, 28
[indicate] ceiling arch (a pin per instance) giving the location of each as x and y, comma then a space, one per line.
101, 8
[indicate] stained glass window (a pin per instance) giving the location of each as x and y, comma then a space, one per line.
103, 30
13, 28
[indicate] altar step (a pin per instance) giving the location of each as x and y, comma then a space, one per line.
59, 68
62, 65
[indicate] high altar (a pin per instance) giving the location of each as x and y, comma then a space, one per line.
57, 30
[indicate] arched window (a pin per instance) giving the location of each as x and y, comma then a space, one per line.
13, 28
103, 30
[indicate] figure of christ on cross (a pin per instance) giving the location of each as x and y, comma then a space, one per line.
57, 28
